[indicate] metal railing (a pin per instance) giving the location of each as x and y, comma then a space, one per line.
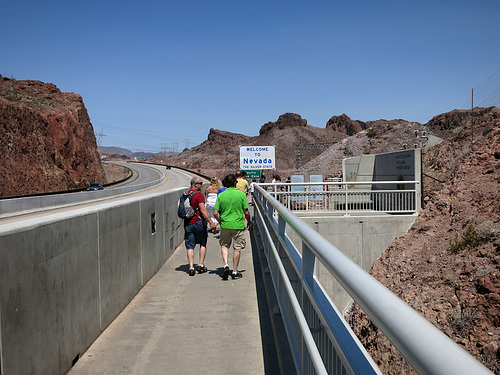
320, 339
348, 197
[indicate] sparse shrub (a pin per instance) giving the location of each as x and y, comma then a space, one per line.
487, 230
11, 98
463, 319
466, 151
347, 151
449, 279
458, 136
371, 133
483, 271
470, 239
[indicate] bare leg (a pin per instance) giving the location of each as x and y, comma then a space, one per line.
203, 253
225, 254
190, 255
236, 260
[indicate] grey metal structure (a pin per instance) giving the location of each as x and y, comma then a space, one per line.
348, 197
320, 339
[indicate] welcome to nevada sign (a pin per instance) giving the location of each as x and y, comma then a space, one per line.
257, 157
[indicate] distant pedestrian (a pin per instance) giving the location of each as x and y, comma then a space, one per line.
276, 179
252, 190
231, 210
211, 197
195, 228
241, 182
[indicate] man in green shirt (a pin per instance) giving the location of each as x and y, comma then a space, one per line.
231, 210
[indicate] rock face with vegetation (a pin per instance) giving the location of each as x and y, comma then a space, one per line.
47, 142
447, 267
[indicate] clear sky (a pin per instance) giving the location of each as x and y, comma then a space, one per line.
164, 72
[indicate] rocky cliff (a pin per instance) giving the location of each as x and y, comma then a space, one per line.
47, 142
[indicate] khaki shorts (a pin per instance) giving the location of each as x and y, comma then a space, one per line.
237, 236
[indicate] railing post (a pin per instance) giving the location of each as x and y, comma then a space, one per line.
345, 198
418, 197
308, 261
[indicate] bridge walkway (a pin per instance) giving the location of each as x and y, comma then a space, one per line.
179, 324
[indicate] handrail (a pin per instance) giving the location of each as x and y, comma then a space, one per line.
426, 348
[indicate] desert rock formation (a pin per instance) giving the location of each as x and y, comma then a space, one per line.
47, 142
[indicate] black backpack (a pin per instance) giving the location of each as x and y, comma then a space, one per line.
186, 209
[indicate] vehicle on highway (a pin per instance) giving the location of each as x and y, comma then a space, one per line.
95, 186
169, 167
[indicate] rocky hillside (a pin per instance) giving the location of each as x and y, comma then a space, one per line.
447, 266
373, 137
298, 143
47, 142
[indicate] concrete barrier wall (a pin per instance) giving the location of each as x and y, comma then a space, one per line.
17, 206
64, 277
362, 238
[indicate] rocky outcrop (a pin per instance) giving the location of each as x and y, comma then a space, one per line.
47, 142
344, 124
225, 139
286, 120
449, 124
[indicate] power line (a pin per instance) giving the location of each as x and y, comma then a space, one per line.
147, 133
487, 93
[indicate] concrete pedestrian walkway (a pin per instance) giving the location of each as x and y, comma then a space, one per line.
179, 324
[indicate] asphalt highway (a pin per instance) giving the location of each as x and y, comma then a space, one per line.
144, 175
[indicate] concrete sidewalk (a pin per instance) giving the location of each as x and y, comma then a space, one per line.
179, 324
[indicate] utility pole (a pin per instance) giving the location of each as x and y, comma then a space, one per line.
472, 120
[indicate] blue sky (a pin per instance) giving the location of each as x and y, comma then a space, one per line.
155, 73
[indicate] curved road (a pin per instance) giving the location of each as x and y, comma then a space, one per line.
145, 173
142, 174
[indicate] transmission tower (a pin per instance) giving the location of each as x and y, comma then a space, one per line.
99, 137
299, 155
164, 148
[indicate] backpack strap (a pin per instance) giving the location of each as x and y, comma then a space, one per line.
198, 208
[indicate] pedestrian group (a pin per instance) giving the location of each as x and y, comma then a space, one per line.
227, 207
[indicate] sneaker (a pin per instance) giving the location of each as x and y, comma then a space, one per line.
191, 272
236, 275
225, 274
202, 269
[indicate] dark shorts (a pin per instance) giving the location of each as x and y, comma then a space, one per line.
195, 234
